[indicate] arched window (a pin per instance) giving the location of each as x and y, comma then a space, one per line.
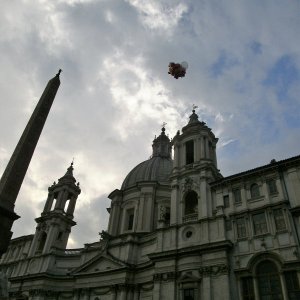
268, 280
254, 190
66, 205
272, 186
53, 204
191, 203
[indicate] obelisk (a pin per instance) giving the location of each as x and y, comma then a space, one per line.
16, 169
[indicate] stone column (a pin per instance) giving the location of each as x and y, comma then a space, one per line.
202, 151
140, 214
264, 190
76, 294
58, 204
123, 293
283, 286
86, 294
49, 202
71, 207
64, 199
206, 288
50, 237
256, 290
136, 294
114, 295
174, 204
116, 220
203, 197
206, 148
176, 154
293, 188
156, 290
197, 146
34, 243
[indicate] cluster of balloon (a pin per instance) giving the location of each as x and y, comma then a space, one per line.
177, 70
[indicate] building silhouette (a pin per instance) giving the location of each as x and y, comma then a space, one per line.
13, 176
177, 229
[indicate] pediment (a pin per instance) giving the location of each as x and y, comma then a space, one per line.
100, 263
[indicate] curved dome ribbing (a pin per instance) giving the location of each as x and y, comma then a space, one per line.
156, 169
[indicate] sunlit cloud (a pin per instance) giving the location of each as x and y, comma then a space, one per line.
115, 91
163, 15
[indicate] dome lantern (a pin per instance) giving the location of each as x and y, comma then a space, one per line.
161, 145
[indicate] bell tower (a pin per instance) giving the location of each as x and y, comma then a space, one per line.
195, 166
54, 224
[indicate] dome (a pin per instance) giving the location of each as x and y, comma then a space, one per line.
156, 169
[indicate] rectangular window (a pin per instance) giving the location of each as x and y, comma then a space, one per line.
272, 186
279, 219
247, 288
292, 285
226, 201
188, 294
189, 152
259, 223
241, 227
254, 190
237, 195
130, 218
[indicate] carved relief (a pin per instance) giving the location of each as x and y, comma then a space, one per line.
214, 270
40, 292
188, 184
164, 213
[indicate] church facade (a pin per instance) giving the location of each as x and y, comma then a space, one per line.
177, 230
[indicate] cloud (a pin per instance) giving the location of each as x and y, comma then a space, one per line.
115, 91
163, 15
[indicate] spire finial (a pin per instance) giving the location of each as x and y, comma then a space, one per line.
194, 107
59, 71
163, 125
70, 169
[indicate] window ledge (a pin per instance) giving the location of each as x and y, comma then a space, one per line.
238, 203
259, 198
260, 235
